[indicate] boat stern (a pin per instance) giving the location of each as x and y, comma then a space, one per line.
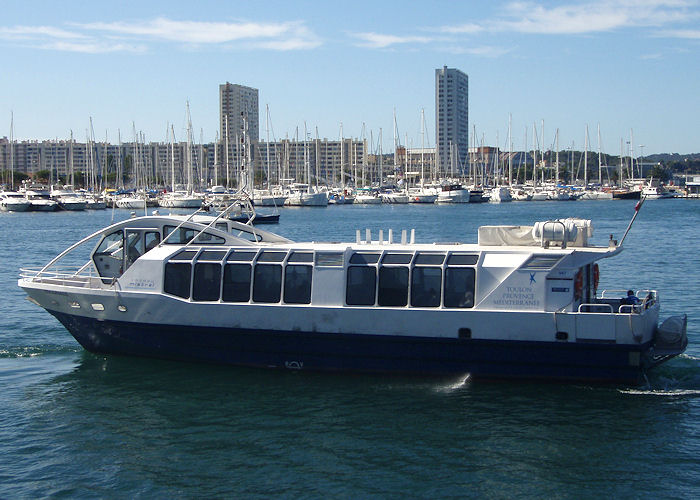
670, 339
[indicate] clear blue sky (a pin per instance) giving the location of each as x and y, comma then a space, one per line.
624, 64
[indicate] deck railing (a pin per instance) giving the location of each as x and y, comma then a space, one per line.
611, 301
77, 276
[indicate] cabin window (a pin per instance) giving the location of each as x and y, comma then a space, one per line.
426, 283
212, 255
459, 287
297, 284
429, 259
108, 257
267, 283
221, 226
397, 258
182, 235
462, 260
301, 257
542, 262
209, 239
134, 246
207, 282
361, 285
184, 255
111, 245
364, 258
245, 235
267, 256
177, 279
329, 259
236, 283
393, 286
152, 240
238, 256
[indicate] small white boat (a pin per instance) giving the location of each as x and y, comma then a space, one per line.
500, 194
394, 197
268, 198
301, 195
453, 193
655, 191
419, 195
367, 197
131, 202
180, 199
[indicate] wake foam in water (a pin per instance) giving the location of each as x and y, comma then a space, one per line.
662, 392
37, 350
461, 382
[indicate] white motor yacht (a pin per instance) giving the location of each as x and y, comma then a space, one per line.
12, 201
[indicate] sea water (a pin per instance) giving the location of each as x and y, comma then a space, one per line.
75, 424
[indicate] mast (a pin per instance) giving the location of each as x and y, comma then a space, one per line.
216, 158
172, 159
70, 153
600, 160
422, 146
510, 150
12, 145
189, 149
380, 158
585, 160
307, 169
342, 156
227, 152
120, 175
267, 143
317, 155
534, 154
557, 158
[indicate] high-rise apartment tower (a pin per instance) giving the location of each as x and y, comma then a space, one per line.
451, 118
235, 103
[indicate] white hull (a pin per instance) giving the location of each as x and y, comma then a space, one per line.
131, 203
14, 205
455, 196
270, 200
307, 200
396, 198
180, 203
500, 195
43, 205
363, 199
422, 197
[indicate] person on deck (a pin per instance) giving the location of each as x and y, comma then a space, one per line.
631, 299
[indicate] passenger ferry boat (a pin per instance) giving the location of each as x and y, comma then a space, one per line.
522, 302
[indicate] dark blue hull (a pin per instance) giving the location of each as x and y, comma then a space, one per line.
595, 362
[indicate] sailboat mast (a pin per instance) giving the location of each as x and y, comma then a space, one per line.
172, 158
600, 160
557, 158
422, 146
227, 153
585, 160
12, 145
267, 143
510, 150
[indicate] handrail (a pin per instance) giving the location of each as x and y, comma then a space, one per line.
604, 306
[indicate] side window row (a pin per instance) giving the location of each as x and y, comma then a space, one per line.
232, 282
426, 286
